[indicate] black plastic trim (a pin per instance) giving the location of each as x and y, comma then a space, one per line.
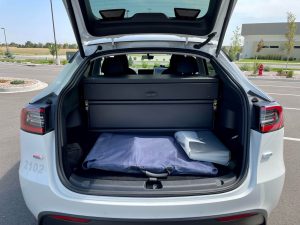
170, 187
259, 218
75, 27
224, 28
231, 80
154, 23
259, 96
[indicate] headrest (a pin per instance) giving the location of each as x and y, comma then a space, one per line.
181, 65
117, 65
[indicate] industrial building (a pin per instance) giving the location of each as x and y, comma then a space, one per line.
273, 36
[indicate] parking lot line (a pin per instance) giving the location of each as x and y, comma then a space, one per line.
297, 109
291, 139
283, 94
277, 86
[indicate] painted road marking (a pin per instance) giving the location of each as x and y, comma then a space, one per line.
291, 139
279, 86
297, 109
283, 94
40, 66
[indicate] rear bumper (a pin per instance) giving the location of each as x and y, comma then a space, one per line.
253, 218
41, 199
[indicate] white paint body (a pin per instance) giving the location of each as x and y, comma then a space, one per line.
44, 192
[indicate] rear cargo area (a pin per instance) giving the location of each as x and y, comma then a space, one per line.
150, 106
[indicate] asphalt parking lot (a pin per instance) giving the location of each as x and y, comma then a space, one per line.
12, 207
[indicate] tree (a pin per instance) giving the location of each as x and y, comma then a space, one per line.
28, 44
73, 46
47, 45
13, 44
130, 61
226, 49
40, 45
52, 49
290, 36
236, 44
65, 45
260, 46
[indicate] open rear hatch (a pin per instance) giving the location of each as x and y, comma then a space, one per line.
94, 20
150, 105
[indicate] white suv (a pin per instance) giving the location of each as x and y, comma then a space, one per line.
150, 68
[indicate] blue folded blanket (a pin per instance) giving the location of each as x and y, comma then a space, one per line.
143, 154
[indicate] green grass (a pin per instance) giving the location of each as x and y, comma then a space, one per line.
277, 69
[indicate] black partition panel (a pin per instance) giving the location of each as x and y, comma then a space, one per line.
143, 103
150, 115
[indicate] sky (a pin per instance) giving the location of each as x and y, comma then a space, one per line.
30, 20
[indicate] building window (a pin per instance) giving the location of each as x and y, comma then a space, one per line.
271, 46
297, 47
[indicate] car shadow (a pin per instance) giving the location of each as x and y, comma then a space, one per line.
13, 210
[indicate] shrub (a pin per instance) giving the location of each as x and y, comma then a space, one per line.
290, 74
255, 67
287, 73
144, 64
9, 55
16, 82
156, 64
64, 62
280, 72
269, 57
267, 69
245, 67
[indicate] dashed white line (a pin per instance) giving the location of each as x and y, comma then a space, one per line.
279, 86
284, 94
287, 108
292, 139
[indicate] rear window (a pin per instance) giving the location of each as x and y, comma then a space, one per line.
148, 6
155, 64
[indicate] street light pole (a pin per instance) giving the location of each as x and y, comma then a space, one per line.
5, 39
55, 43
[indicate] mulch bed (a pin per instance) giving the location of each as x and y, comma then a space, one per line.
5, 82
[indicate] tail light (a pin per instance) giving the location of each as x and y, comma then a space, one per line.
270, 117
35, 119
70, 219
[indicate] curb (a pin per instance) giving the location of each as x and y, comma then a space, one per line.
37, 86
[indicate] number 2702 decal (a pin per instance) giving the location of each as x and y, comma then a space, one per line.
34, 167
